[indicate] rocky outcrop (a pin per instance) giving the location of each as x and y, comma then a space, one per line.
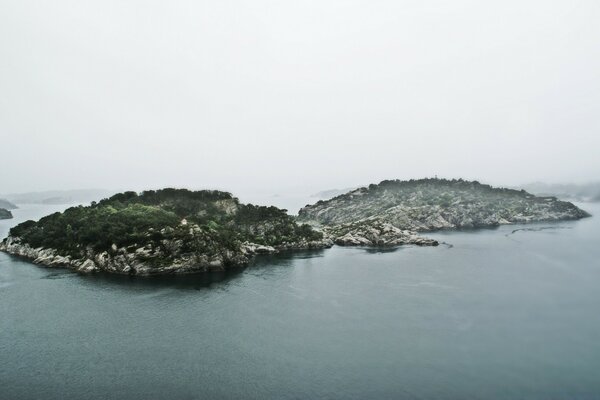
366, 216
376, 233
5, 214
118, 260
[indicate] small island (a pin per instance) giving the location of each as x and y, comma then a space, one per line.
393, 212
5, 214
160, 232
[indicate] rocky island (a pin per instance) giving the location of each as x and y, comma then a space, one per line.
160, 232
5, 214
393, 212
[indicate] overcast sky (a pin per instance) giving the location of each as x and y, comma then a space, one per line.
296, 96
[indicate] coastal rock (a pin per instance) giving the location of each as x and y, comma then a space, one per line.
376, 233
252, 248
87, 266
148, 261
143, 261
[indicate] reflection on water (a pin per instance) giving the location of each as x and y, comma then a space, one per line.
285, 257
58, 275
189, 281
382, 249
197, 281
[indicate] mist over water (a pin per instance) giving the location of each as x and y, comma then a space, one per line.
293, 97
490, 314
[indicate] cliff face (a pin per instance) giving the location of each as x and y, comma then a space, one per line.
430, 204
169, 231
5, 214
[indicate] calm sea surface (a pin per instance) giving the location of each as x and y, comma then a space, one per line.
507, 313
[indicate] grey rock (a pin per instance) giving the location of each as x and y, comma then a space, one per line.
366, 216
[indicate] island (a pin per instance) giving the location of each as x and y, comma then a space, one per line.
7, 205
160, 232
393, 212
55, 197
181, 231
5, 214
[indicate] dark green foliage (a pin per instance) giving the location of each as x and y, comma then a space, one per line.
98, 227
145, 219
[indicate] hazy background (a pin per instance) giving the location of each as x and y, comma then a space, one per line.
281, 97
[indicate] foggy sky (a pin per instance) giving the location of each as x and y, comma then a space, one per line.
296, 96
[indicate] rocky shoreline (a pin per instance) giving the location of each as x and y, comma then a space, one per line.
140, 262
376, 234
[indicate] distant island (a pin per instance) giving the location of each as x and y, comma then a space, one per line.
7, 205
391, 212
54, 197
327, 194
587, 192
160, 232
181, 231
5, 214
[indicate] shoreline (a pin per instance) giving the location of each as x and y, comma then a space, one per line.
51, 259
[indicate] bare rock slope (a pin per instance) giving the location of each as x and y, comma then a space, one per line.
392, 212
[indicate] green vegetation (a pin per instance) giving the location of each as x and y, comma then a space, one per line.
198, 221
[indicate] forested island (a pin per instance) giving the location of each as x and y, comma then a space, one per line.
182, 231
160, 232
